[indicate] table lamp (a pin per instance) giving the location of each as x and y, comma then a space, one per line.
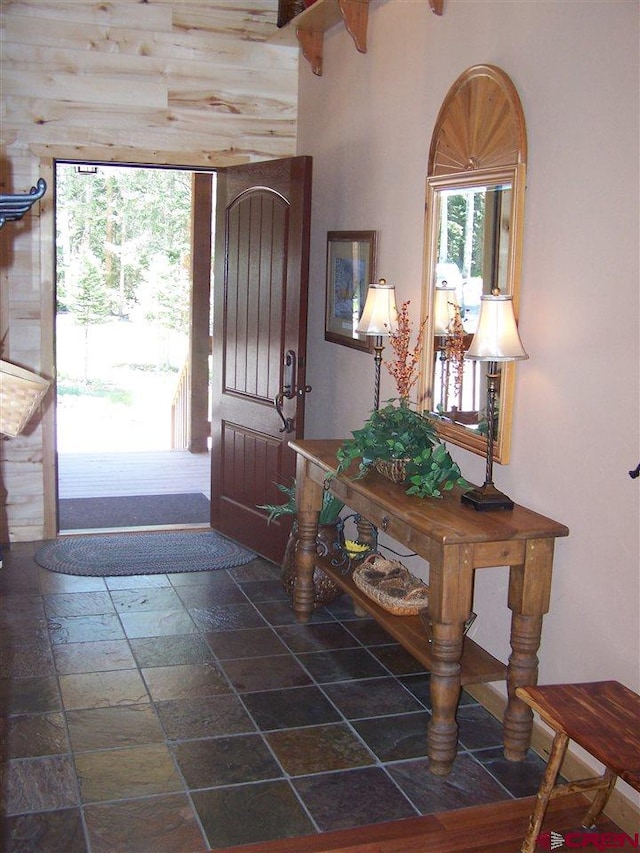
379, 319
496, 340
444, 309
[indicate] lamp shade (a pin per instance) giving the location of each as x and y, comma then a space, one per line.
444, 310
496, 338
379, 316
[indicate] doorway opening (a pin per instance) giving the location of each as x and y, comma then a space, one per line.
131, 446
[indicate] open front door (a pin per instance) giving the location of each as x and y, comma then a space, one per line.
259, 345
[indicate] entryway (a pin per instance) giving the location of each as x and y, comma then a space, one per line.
124, 349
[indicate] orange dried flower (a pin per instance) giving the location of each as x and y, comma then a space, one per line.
405, 366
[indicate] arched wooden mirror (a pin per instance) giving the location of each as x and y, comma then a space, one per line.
473, 244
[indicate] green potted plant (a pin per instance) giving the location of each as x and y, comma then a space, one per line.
329, 514
408, 442
330, 538
401, 442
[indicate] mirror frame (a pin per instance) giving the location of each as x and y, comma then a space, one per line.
479, 139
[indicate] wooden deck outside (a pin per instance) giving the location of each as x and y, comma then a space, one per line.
95, 475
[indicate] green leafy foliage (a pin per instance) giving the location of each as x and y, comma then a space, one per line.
399, 432
331, 505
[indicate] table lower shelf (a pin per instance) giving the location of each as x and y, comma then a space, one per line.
477, 665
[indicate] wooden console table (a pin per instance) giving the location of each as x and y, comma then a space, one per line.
455, 540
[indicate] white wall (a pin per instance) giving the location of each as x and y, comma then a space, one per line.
368, 122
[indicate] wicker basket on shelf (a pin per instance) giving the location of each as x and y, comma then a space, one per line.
391, 585
21, 393
393, 469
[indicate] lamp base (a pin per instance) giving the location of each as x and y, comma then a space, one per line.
487, 498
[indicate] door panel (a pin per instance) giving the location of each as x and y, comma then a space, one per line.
260, 308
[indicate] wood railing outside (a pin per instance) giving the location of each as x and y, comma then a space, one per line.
180, 410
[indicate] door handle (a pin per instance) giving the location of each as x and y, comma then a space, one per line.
289, 390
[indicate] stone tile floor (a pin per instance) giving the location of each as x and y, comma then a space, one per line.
190, 712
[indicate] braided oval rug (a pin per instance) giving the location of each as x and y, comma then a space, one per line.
141, 554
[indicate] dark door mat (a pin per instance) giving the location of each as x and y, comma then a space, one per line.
133, 511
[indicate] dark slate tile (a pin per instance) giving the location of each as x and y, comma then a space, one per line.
185, 681
209, 579
103, 689
246, 814
264, 590
220, 761
342, 665
199, 595
256, 570
44, 832
81, 629
105, 728
281, 613
226, 617
209, 716
25, 606
137, 581
324, 636
294, 708
101, 656
478, 729
318, 749
164, 824
27, 660
29, 695
520, 778
368, 632
157, 623
40, 784
31, 735
150, 598
53, 582
395, 738
252, 674
78, 604
352, 798
116, 774
397, 660
419, 686
245, 643
468, 784
371, 698
172, 650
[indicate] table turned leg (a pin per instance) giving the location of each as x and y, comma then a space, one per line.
308, 503
442, 730
529, 595
522, 672
305, 563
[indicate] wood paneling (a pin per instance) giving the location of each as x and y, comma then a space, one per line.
171, 82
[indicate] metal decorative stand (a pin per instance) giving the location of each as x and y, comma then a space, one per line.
14, 207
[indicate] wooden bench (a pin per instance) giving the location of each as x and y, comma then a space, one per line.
602, 717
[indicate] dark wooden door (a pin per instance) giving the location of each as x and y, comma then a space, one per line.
259, 345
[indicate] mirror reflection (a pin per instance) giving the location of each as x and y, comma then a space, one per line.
471, 258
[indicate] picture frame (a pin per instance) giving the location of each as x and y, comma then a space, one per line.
351, 258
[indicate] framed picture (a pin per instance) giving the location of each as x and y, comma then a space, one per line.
350, 270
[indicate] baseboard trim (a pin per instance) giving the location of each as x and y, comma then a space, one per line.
621, 810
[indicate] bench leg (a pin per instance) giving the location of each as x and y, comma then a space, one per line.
556, 757
600, 799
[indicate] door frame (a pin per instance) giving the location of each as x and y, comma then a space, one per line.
47, 169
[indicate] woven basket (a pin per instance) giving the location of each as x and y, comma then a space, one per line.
393, 469
21, 393
391, 585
